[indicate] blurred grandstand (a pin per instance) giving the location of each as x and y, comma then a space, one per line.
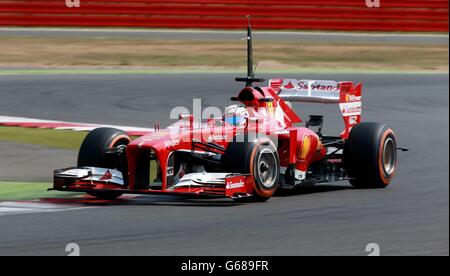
339, 15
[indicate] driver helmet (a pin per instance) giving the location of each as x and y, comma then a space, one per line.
236, 115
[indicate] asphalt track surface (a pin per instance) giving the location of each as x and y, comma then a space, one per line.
409, 218
227, 35
21, 162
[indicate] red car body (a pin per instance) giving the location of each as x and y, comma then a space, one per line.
252, 158
272, 116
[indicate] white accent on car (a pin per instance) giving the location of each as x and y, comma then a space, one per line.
76, 173
200, 179
300, 175
204, 153
313, 91
93, 174
351, 109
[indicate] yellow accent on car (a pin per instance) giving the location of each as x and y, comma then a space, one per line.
306, 147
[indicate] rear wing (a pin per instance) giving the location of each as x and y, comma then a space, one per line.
346, 94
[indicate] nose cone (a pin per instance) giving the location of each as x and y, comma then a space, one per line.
158, 140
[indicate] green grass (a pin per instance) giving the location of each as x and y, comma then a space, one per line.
63, 139
153, 55
29, 191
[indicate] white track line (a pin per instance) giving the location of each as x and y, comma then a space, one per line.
76, 127
14, 208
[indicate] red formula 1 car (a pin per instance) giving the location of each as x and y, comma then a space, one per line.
250, 152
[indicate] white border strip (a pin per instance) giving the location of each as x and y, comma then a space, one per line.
77, 127
188, 31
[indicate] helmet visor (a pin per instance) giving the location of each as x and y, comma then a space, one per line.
235, 120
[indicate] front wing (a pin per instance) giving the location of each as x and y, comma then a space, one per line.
90, 179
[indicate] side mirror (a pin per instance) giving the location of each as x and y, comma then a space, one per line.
266, 100
187, 117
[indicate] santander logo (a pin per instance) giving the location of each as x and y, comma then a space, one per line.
218, 137
289, 86
236, 185
171, 143
325, 86
107, 176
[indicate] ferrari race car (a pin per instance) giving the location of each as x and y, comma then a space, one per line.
255, 148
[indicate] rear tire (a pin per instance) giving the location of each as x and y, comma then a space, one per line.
371, 156
259, 159
93, 154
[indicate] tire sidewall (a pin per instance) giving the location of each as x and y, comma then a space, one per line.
240, 157
363, 155
93, 154
93, 149
386, 134
259, 146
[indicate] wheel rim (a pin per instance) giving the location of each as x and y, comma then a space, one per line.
267, 169
389, 156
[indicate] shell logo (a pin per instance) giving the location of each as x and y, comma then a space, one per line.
352, 98
270, 108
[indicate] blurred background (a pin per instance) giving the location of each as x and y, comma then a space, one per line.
296, 35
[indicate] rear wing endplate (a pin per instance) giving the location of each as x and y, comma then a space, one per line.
346, 94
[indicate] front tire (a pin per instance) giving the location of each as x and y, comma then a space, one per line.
371, 156
93, 154
259, 159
